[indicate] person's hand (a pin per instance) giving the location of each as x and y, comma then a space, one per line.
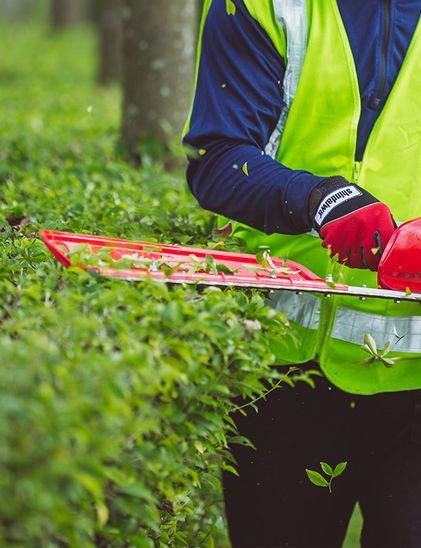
352, 223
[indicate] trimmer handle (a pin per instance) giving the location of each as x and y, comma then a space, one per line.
400, 265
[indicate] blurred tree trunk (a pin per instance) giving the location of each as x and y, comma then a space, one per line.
68, 12
110, 34
158, 66
94, 9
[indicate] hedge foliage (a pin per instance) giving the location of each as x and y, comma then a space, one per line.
114, 395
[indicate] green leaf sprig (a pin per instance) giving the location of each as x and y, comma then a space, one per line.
376, 354
316, 478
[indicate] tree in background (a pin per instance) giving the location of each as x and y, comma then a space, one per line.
158, 50
109, 16
68, 12
16, 9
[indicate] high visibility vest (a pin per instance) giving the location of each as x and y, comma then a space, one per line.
317, 132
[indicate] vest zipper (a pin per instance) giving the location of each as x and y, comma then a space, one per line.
326, 321
327, 313
376, 100
356, 172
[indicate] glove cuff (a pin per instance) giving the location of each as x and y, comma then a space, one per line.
335, 197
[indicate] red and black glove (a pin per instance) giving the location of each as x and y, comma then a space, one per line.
352, 223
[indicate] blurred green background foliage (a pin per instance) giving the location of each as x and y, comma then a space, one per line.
114, 396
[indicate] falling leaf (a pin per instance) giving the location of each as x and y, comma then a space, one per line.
399, 337
245, 169
231, 7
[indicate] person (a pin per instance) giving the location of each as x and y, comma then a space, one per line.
304, 130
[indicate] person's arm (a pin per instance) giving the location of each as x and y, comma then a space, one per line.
237, 105
236, 108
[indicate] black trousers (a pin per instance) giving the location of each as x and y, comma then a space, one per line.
272, 503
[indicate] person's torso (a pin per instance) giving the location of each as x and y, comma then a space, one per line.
379, 33
339, 90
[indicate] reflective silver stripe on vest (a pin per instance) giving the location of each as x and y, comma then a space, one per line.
292, 16
302, 309
403, 332
352, 325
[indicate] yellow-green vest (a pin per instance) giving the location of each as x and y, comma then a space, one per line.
318, 132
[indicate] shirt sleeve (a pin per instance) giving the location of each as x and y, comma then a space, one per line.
237, 104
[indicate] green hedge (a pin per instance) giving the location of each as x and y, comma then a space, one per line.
114, 396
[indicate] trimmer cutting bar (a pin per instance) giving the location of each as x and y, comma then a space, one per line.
128, 260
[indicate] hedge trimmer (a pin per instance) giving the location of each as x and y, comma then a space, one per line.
399, 274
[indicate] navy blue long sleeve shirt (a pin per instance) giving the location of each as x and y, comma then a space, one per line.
238, 102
